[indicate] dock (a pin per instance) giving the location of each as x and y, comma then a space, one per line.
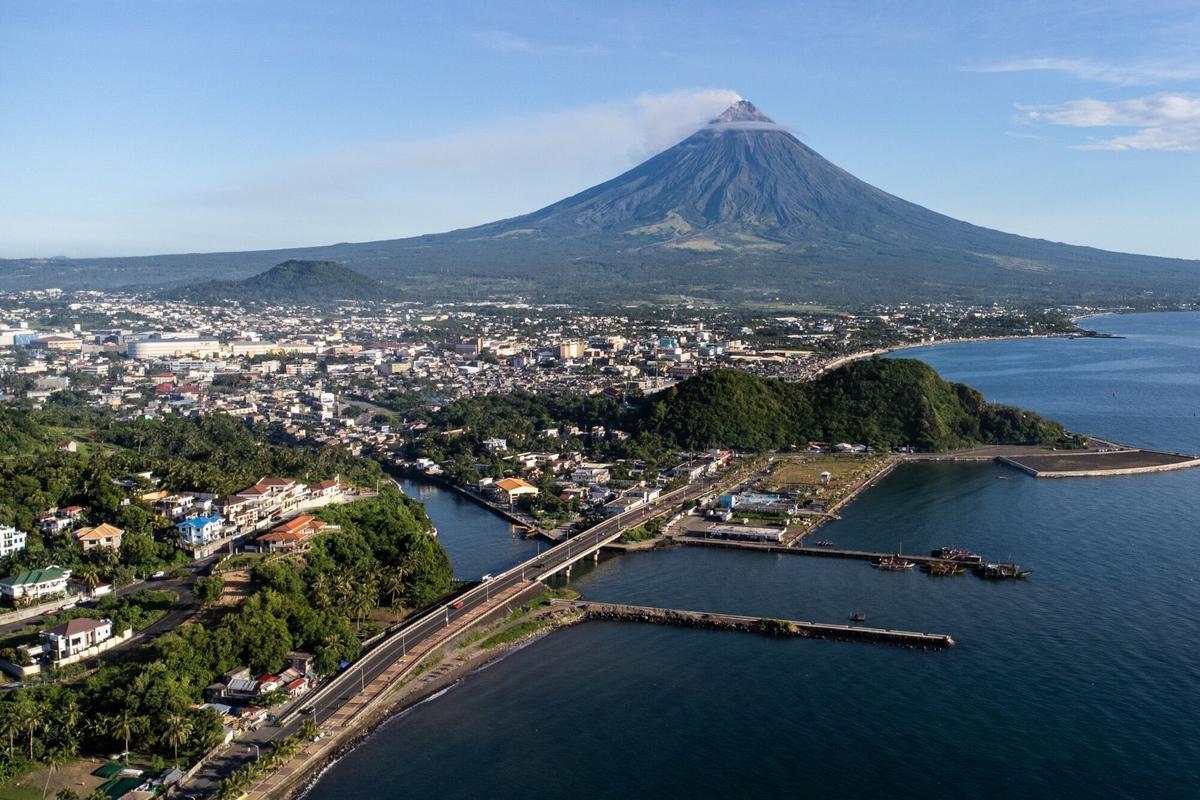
824, 552
763, 626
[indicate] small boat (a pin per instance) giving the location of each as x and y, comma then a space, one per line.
1001, 571
894, 563
858, 617
956, 554
943, 568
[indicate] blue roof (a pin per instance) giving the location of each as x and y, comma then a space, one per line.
199, 522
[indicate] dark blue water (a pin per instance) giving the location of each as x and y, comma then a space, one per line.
1083, 681
476, 540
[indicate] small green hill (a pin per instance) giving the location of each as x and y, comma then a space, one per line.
292, 282
880, 402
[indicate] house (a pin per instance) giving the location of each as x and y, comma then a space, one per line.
74, 636
104, 535
57, 520
276, 497
496, 444
329, 488
240, 512
35, 584
513, 488
11, 540
292, 535
199, 531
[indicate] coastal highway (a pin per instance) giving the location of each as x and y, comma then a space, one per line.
336, 693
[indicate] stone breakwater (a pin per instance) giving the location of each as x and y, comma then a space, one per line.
612, 612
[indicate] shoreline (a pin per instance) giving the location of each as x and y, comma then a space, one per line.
880, 351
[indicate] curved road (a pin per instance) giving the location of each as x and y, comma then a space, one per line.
327, 699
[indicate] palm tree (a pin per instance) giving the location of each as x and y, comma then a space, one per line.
361, 603
321, 590
123, 725
89, 576
179, 730
67, 713
55, 759
286, 749
343, 586
391, 583
308, 729
28, 717
9, 724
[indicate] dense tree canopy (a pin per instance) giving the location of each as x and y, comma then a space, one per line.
880, 402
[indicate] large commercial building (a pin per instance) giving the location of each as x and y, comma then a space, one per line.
147, 349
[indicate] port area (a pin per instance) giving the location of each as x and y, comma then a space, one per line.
1098, 463
931, 563
613, 612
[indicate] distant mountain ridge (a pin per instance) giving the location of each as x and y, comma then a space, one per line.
739, 210
293, 282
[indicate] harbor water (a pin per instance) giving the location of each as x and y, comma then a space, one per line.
1082, 681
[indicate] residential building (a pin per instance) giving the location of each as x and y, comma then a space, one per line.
292, 535
510, 489
75, 636
11, 540
199, 531
104, 535
35, 584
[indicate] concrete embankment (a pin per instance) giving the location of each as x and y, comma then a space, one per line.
761, 626
1101, 465
497, 509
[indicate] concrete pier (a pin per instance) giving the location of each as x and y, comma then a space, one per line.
761, 625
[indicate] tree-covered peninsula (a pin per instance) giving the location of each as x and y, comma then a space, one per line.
884, 403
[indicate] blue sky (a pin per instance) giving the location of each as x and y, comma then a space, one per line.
149, 127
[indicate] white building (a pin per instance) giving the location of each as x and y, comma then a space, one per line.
146, 349
11, 540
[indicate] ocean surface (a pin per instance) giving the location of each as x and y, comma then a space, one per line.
1081, 682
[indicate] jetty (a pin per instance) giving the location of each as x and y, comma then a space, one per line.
831, 552
763, 626
1099, 463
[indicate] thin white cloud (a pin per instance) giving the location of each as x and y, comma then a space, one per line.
466, 177
1161, 121
1140, 74
509, 42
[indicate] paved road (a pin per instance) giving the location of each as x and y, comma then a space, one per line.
326, 700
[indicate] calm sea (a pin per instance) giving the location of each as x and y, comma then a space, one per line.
1082, 682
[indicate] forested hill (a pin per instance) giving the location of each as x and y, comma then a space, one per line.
880, 402
291, 282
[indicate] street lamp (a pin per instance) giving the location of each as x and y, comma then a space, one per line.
257, 753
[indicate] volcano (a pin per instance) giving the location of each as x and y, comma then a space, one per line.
739, 210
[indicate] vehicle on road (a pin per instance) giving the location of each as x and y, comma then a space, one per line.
158, 576
486, 578
308, 710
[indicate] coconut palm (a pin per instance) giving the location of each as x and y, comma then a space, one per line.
28, 717
308, 730
9, 725
178, 731
55, 759
391, 583
89, 576
124, 725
